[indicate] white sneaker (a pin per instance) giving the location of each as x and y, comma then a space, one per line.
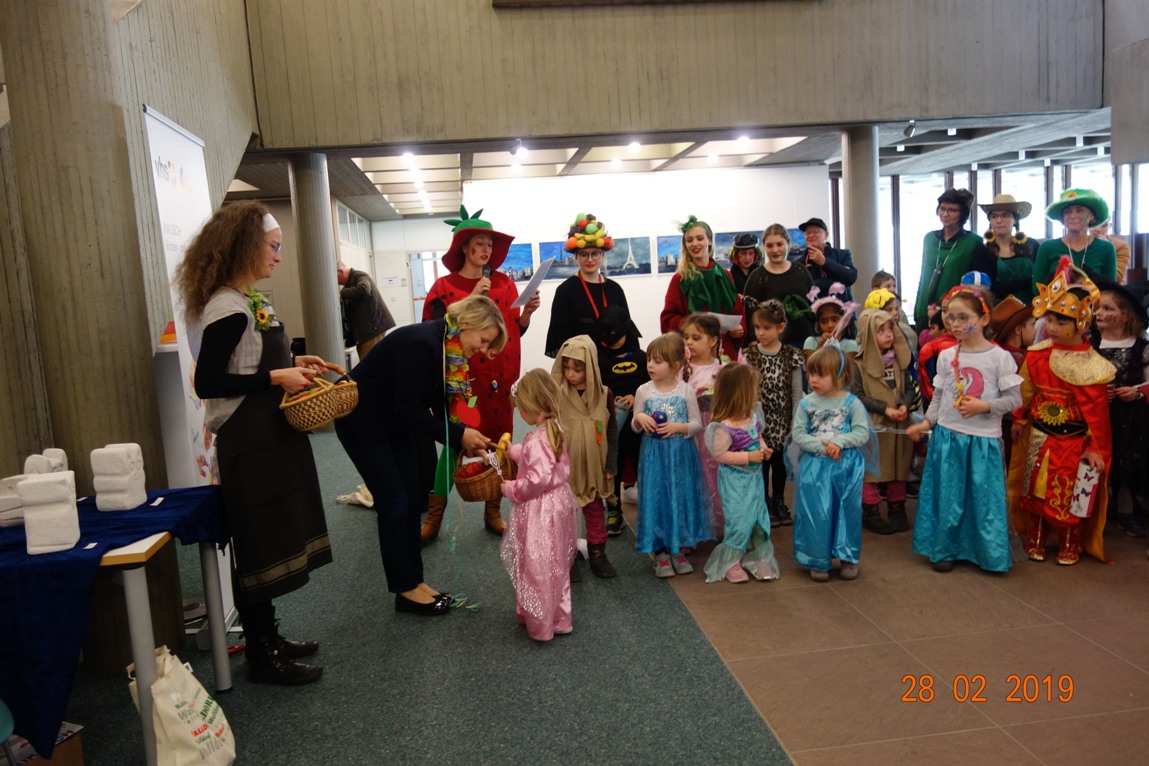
630, 494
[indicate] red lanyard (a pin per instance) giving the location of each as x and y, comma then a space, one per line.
588, 295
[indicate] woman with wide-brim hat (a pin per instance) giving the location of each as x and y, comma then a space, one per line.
1007, 254
475, 254
1077, 210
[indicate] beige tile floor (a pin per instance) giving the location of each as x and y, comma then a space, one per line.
824, 663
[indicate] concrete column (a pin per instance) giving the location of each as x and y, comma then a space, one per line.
319, 291
79, 223
860, 182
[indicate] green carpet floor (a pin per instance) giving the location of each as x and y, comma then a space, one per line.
636, 682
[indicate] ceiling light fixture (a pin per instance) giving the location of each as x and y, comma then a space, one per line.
743, 142
616, 163
634, 147
900, 147
515, 166
1101, 151
418, 183
408, 157
973, 167
520, 150
712, 159
911, 128
1047, 162
951, 131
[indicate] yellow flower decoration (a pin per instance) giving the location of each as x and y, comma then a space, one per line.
1052, 413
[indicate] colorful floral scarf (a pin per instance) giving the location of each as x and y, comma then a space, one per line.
460, 398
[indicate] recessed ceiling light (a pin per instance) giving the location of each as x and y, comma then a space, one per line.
901, 147
616, 162
418, 183
423, 196
516, 167
712, 159
408, 157
973, 167
951, 131
521, 152
634, 146
743, 142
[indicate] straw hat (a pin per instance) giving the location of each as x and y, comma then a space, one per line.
1007, 203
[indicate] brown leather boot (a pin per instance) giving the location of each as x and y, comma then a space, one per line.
492, 518
873, 521
1070, 551
435, 507
1035, 538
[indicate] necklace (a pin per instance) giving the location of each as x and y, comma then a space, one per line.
1074, 253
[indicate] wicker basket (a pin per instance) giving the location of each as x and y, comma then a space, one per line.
484, 486
317, 406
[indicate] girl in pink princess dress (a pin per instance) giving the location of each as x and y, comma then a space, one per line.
539, 546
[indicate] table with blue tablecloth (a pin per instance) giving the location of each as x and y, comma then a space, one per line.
46, 598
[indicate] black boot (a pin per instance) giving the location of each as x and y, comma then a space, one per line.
781, 511
896, 511
599, 563
873, 521
294, 650
576, 575
268, 664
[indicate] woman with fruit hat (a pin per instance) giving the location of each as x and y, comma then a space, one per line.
700, 284
580, 300
475, 254
415, 390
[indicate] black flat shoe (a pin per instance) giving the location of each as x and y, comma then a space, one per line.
295, 650
437, 607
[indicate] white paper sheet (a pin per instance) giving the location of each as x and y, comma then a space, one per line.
533, 286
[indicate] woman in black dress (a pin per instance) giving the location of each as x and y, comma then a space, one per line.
267, 472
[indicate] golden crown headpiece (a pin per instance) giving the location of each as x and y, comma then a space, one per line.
1058, 296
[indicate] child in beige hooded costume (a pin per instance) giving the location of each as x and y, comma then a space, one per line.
882, 382
586, 413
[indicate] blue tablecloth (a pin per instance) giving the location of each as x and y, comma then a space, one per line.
46, 599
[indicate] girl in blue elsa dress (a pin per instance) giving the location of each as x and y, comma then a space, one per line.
734, 438
672, 508
831, 427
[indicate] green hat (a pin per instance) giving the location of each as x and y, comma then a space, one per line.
1084, 197
467, 226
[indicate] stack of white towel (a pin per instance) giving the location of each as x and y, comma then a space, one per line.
50, 518
118, 477
11, 509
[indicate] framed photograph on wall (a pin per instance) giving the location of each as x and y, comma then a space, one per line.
669, 250
519, 265
797, 240
628, 258
723, 241
565, 265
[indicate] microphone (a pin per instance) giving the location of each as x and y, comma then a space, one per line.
486, 275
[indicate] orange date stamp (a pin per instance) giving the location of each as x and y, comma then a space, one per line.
1028, 688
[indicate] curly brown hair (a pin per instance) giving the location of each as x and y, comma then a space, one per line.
227, 247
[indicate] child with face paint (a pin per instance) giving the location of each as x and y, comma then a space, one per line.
883, 383
961, 509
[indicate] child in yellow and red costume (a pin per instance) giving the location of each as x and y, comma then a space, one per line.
1062, 445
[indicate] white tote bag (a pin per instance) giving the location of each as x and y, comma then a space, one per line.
190, 725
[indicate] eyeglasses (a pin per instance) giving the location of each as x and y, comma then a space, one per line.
995, 215
589, 255
947, 210
961, 318
276, 246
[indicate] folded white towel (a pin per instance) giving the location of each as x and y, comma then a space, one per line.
58, 457
121, 501
37, 464
111, 482
10, 500
39, 489
117, 459
51, 527
12, 518
8, 483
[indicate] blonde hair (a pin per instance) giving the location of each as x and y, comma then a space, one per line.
669, 348
537, 393
478, 312
687, 268
227, 248
830, 360
735, 392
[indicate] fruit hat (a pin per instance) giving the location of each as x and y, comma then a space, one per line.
467, 226
587, 231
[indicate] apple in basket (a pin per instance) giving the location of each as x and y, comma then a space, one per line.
471, 470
